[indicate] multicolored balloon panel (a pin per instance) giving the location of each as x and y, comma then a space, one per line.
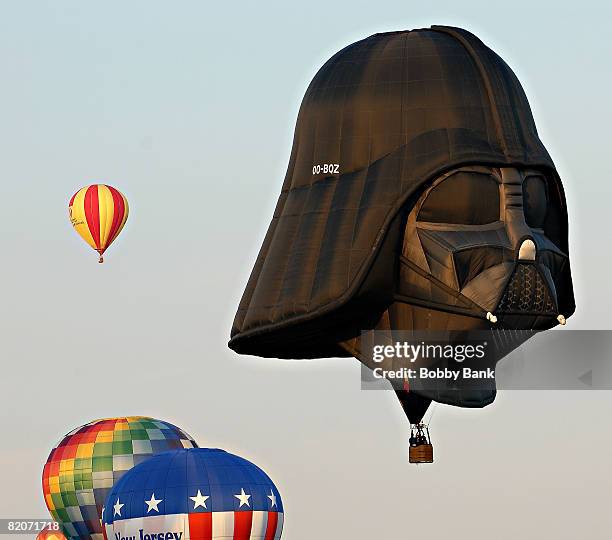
98, 213
84, 466
196, 494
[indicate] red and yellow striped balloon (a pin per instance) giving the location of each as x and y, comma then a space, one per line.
98, 213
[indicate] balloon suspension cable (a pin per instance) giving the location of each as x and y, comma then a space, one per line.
433, 411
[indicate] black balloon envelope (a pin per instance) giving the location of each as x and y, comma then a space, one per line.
418, 198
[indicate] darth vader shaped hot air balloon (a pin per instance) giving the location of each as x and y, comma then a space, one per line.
418, 197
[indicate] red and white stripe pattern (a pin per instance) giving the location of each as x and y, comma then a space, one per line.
242, 525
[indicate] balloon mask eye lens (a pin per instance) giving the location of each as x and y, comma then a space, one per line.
535, 201
464, 198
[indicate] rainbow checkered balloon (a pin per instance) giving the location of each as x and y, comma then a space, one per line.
83, 467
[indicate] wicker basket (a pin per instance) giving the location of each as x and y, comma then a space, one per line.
421, 454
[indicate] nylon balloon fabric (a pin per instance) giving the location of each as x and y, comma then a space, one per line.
84, 466
418, 197
196, 494
98, 214
49, 534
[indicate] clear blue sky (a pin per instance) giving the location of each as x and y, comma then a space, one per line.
189, 108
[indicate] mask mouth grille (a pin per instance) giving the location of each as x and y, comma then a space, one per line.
527, 292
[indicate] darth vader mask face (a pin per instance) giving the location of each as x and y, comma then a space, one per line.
487, 243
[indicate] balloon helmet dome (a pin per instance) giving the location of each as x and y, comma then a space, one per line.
418, 197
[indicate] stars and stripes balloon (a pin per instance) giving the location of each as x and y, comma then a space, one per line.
84, 466
98, 213
196, 494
